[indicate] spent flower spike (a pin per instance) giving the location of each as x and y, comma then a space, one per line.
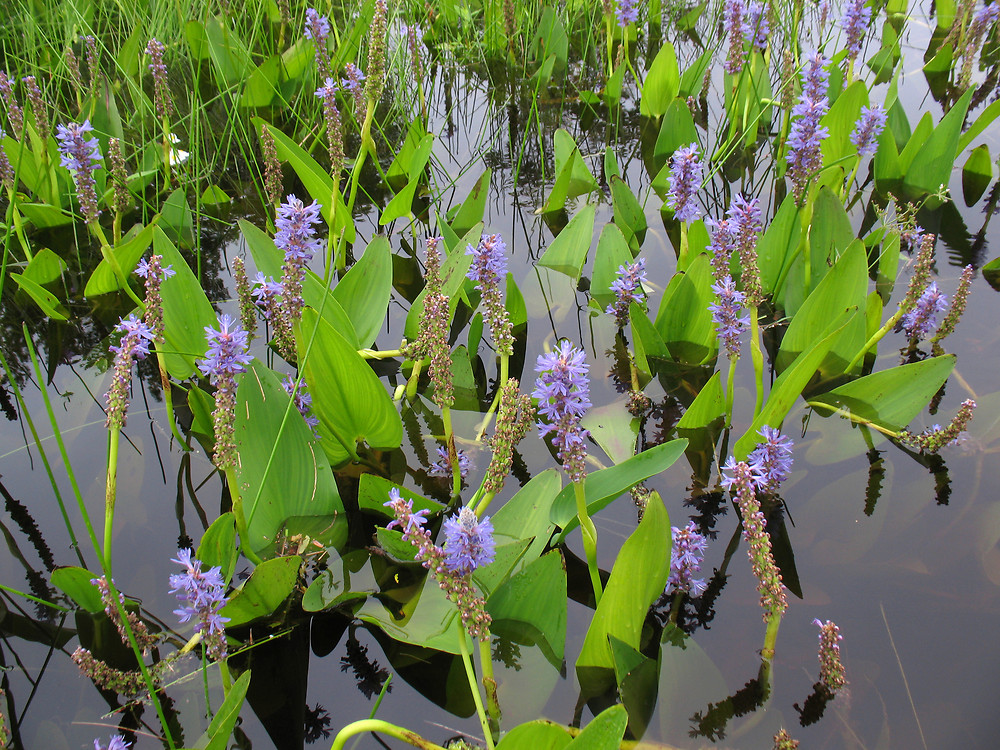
832, 675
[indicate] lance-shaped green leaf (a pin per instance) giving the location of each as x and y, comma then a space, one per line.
637, 677
218, 545
932, 165
789, 385
365, 290
76, 584
601, 487
453, 276
661, 84
612, 254
538, 735
614, 429
568, 251
526, 515
282, 471
629, 215
530, 607
127, 253
977, 174
637, 580
217, 735
707, 406
402, 202
573, 177
777, 247
230, 56
893, 397
471, 212
684, 320
46, 300
348, 398
605, 732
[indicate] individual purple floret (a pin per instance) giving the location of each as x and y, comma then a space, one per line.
685, 562
733, 18
563, 393
266, 292
726, 315
627, 288
202, 594
303, 402
685, 179
857, 16
117, 742
756, 26
771, 461
136, 337
627, 12
468, 542
81, 155
919, 322
442, 467
867, 129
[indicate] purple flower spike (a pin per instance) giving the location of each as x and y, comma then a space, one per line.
627, 12
685, 562
734, 13
81, 155
352, 84
627, 288
867, 129
202, 594
489, 261
855, 22
227, 350
756, 26
806, 135
771, 461
685, 179
136, 337
303, 402
468, 542
408, 520
922, 319
729, 324
563, 393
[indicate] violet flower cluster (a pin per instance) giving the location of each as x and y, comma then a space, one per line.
855, 21
117, 742
919, 321
317, 29
38, 107
81, 155
756, 25
685, 561
468, 542
740, 478
296, 236
627, 288
746, 224
627, 12
722, 243
937, 437
353, 84
771, 461
868, 128
226, 356
488, 270
732, 24
563, 393
136, 337
303, 402
685, 179
729, 324
6, 170
445, 566
331, 114
805, 158
202, 594
154, 273
832, 675
15, 114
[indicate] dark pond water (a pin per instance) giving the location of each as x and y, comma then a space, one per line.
904, 558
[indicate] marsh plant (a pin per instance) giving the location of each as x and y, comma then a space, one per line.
362, 376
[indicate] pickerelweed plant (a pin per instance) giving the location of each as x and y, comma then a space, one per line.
340, 389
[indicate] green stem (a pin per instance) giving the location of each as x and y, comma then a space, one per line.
504, 375
367, 144
757, 357
730, 383
490, 686
168, 399
767, 653
463, 647
875, 338
449, 437
110, 494
589, 532
377, 725
682, 255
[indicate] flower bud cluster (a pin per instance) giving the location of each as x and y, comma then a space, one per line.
488, 270
154, 272
958, 302
135, 339
685, 179
334, 137
37, 107
119, 177
161, 88
376, 52
746, 224
15, 115
729, 324
627, 288
143, 637
244, 295
515, 415
434, 323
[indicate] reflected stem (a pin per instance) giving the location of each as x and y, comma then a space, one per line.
377, 725
463, 646
589, 532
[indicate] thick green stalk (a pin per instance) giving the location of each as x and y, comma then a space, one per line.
367, 144
490, 686
730, 383
463, 647
589, 532
504, 376
449, 438
875, 338
767, 653
241, 521
757, 357
110, 494
384, 727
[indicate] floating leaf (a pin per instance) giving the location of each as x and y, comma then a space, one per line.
612, 254
684, 320
932, 165
538, 735
604, 732
263, 592
527, 514
425, 619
